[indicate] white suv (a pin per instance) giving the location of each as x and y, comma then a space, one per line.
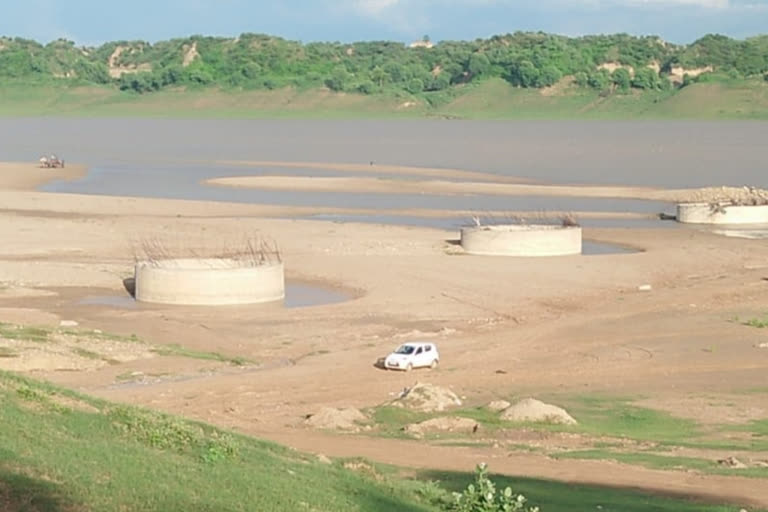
413, 355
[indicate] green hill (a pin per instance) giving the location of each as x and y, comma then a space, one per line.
520, 75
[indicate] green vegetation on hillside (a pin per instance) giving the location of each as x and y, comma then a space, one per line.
512, 76
254, 61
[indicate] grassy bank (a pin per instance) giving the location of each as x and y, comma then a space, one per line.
495, 99
60, 451
492, 99
210, 103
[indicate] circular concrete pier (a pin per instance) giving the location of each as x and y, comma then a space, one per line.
521, 240
721, 213
209, 281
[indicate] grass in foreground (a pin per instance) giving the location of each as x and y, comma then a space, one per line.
60, 451
56, 457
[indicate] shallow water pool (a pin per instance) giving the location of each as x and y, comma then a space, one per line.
297, 295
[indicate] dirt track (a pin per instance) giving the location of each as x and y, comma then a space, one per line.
570, 324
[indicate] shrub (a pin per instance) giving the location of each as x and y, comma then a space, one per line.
414, 86
482, 496
367, 87
622, 78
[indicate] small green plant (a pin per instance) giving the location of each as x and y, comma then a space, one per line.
482, 496
431, 492
759, 323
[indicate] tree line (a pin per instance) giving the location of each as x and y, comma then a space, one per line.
257, 61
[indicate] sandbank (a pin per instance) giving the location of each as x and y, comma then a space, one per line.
27, 176
375, 168
432, 187
488, 184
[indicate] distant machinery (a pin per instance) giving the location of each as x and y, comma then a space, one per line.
51, 162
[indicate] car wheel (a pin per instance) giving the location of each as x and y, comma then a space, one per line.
409, 367
434, 364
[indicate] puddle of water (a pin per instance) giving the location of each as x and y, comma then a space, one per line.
455, 223
749, 231
750, 234
115, 301
593, 248
297, 295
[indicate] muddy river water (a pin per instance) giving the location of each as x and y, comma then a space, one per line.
169, 158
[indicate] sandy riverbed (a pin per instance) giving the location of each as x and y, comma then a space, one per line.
505, 327
490, 187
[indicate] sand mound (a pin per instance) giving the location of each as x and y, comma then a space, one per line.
336, 419
446, 424
742, 196
532, 410
498, 405
426, 398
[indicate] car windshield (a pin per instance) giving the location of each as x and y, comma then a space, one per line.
405, 349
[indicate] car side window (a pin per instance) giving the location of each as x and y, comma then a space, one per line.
418, 351
428, 348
